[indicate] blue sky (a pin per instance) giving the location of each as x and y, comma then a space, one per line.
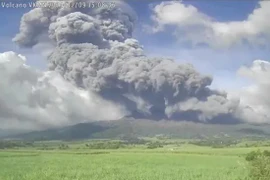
221, 64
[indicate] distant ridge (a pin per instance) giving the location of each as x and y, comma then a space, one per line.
144, 128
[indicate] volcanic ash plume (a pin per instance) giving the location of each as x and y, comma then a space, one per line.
95, 51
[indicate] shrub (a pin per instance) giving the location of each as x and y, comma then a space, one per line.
154, 145
259, 165
252, 155
14, 144
104, 145
63, 147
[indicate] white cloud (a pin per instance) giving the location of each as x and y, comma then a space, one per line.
198, 28
255, 98
31, 99
36, 57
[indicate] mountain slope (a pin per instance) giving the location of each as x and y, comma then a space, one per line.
145, 128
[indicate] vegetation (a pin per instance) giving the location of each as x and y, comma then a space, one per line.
216, 143
259, 165
133, 158
63, 146
154, 145
117, 165
14, 144
104, 145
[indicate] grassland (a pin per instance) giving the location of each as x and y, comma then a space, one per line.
183, 163
150, 159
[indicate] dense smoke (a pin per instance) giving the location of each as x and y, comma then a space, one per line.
95, 51
114, 23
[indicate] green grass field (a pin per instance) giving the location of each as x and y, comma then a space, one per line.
188, 163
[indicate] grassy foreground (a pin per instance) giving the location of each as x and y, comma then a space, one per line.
218, 164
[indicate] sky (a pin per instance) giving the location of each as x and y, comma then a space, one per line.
197, 60
222, 64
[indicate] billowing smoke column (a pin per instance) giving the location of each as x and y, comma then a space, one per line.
115, 23
95, 51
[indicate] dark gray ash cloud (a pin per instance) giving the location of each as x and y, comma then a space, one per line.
115, 23
95, 52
